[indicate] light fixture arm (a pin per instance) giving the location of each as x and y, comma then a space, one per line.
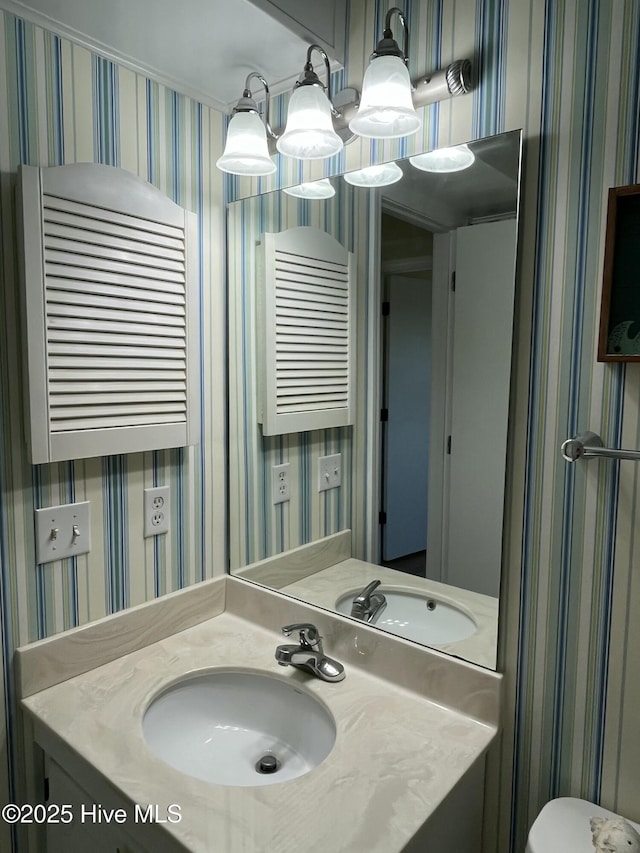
248, 104
388, 45
310, 77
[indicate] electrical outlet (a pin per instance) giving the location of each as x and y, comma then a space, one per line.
280, 490
329, 472
157, 514
62, 531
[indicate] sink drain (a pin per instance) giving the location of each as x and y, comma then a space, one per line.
431, 604
268, 764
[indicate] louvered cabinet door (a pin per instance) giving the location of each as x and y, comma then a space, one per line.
307, 331
109, 302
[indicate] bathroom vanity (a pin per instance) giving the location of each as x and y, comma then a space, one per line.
411, 728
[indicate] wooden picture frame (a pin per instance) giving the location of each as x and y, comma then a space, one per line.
619, 338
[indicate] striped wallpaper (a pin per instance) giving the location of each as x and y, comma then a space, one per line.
61, 104
568, 72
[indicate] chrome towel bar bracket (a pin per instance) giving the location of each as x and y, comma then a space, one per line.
588, 445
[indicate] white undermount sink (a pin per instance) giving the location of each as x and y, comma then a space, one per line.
239, 728
417, 616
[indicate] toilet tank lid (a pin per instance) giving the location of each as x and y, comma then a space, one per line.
563, 826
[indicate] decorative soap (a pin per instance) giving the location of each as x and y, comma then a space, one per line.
613, 835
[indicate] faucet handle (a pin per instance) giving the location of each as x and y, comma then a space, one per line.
364, 596
309, 636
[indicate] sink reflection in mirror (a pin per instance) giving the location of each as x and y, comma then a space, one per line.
414, 616
239, 728
422, 461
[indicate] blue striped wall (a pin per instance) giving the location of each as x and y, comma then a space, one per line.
568, 72
60, 104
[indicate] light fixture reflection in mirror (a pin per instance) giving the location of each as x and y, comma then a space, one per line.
444, 159
404, 238
321, 189
382, 175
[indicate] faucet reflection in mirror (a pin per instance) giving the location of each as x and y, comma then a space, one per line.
318, 125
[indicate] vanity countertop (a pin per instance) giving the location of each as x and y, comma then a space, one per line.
397, 753
324, 587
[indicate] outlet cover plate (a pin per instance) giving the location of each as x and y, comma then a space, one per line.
329, 472
280, 486
63, 543
157, 511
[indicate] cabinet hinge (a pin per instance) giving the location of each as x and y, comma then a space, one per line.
449, 444
453, 282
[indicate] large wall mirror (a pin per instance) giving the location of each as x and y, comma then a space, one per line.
387, 504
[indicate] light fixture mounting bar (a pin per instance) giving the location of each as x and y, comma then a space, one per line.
448, 82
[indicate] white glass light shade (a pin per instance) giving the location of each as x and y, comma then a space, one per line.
246, 151
386, 110
312, 189
444, 159
375, 176
309, 134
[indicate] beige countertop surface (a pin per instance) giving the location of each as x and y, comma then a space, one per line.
398, 750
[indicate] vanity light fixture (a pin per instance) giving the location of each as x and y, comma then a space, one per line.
386, 108
309, 133
312, 190
381, 175
444, 160
246, 151
318, 125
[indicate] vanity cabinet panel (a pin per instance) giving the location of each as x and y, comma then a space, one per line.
79, 837
456, 824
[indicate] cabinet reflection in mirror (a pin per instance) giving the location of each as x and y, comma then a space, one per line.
401, 347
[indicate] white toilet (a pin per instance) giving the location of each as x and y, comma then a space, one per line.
563, 827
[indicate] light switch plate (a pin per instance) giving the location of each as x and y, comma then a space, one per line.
329, 472
62, 531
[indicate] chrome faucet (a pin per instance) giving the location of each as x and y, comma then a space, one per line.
368, 604
308, 654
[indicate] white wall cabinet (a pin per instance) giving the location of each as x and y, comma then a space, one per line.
110, 307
